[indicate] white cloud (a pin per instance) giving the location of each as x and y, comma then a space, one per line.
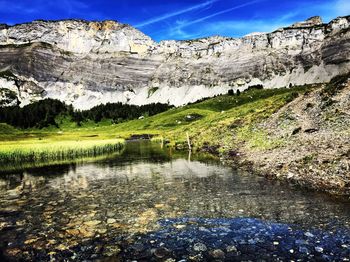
175, 13
233, 28
219, 13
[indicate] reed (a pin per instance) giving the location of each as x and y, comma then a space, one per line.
22, 152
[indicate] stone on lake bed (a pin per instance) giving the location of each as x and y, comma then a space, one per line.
111, 221
161, 252
51, 241
62, 247
319, 249
13, 251
86, 232
304, 250
218, 253
179, 226
111, 250
31, 241
92, 223
308, 234
159, 206
73, 232
111, 213
3, 225
199, 247
231, 249
116, 225
102, 231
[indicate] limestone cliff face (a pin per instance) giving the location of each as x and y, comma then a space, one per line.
88, 63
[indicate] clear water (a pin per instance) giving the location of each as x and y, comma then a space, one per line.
54, 209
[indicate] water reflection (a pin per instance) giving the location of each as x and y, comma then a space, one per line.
55, 208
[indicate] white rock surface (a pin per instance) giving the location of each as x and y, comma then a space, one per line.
89, 63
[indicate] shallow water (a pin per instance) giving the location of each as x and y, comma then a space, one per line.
101, 209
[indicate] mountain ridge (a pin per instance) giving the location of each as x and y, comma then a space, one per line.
89, 63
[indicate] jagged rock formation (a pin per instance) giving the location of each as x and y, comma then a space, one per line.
88, 63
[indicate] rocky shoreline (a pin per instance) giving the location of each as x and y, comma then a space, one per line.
314, 135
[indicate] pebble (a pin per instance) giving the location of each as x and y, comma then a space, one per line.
304, 250
218, 253
319, 249
111, 221
161, 252
199, 247
92, 223
308, 234
180, 226
31, 241
231, 249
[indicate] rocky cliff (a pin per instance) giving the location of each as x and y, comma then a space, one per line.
88, 63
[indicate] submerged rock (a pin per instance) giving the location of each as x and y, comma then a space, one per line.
293, 243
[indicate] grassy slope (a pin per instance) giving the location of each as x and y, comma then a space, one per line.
210, 121
215, 119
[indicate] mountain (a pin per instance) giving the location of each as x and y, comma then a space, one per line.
88, 63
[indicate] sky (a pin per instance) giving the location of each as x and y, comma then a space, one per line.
181, 19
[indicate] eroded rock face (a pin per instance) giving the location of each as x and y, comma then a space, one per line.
88, 63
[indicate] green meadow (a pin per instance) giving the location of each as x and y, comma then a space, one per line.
222, 120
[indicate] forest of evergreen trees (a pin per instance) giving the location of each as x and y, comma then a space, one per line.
43, 113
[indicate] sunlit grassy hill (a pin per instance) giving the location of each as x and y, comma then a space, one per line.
207, 122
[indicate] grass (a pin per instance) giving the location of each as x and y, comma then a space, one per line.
7, 129
214, 121
151, 91
256, 138
44, 150
227, 121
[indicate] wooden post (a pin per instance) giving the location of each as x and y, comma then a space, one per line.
188, 141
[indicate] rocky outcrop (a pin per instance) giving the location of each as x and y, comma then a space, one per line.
88, 63
313, 134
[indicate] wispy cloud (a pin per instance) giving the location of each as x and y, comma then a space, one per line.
176, 13
204, 26
231, 28
178, 31
219, 13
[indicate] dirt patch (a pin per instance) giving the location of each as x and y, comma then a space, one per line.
140, 137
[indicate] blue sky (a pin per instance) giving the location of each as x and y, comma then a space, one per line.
181, 19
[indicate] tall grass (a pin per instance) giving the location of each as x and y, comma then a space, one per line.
37, 151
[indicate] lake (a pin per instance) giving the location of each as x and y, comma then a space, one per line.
151, 203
